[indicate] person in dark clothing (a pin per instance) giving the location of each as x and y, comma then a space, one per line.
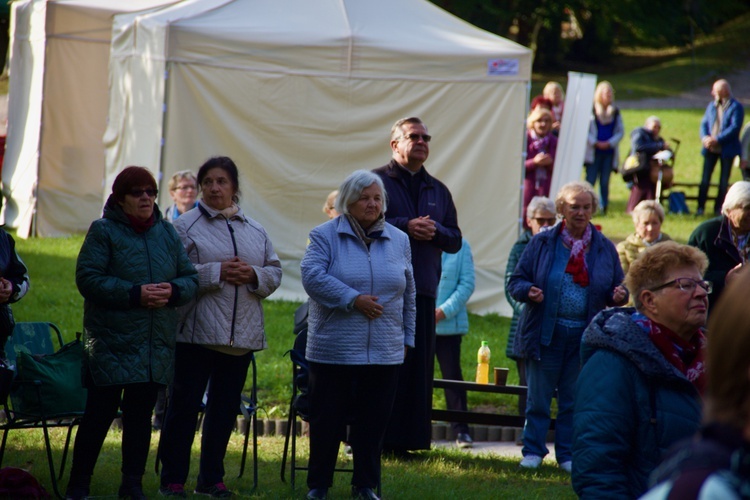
14, 283
725, 239
646, 142
422, 207
133, 273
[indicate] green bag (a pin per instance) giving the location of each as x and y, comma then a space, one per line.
60, 376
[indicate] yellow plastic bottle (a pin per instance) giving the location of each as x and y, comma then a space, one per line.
483, 364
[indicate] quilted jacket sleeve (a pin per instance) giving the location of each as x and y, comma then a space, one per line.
269, 275
319, 284
410, 303
93, 278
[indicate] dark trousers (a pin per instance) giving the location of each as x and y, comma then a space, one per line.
358, 395
197, 369
448, 352
709, 162
410, 425
102, 403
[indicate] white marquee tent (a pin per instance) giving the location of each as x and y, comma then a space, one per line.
58, 95
302, 92
298, 92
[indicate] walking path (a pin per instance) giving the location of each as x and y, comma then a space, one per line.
696, 98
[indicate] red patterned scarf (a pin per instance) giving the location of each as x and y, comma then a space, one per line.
577, 261
688, 356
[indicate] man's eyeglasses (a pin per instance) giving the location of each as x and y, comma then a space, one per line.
137, 193
416, 137
545, 221
687, 285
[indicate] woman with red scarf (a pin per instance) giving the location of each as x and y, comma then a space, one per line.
643, 374
566, 275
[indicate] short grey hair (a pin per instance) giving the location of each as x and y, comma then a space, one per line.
651, 120
396, 131
574, 188
647, 207
540, 203
738, 196
352, 187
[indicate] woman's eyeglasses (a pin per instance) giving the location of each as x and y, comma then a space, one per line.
186, 188
687, 285
137, 193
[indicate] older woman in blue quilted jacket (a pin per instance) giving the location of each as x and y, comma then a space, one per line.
357, 271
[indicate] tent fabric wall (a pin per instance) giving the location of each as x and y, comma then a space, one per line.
58, 99
301, 104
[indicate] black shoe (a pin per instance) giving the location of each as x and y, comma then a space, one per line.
131, 493
699, 212
317, 494
463, 440
364, 493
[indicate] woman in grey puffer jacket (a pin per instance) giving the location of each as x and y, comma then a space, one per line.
219, 330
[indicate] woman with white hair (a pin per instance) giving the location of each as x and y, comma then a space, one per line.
357, 271
566, 275
645, 143
648, 216
606, 130
724, 239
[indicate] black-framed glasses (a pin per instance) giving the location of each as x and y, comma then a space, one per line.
416, 137
137, 193
687, 285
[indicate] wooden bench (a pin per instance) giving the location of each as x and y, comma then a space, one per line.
473, 417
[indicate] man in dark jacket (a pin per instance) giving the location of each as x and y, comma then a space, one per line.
423, 208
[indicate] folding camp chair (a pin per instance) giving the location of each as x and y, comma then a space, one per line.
47, 390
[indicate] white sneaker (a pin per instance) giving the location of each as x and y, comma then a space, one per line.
567, 466
531, 462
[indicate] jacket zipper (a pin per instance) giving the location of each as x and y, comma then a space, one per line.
236, 287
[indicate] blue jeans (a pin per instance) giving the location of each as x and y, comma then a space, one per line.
602, 168
557, 369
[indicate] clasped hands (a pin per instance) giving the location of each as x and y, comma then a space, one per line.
155, 295
422, 228
237, 272
6, 290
